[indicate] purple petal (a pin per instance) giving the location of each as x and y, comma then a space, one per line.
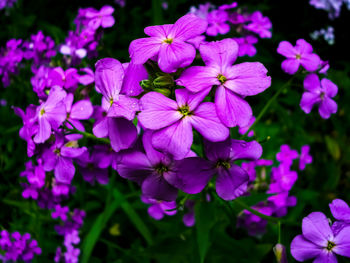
242, 150
191, 175
134, 166
184, 97
158, 111
161, 31
207, 123
308, 100
143, 49
218, 150
303, 47
330, 87
312, 83
100, 128
290, 65
122, 133
175, 139
133, 75
107, 21
72, 152
125, 107
156, 212
109, 77
286, 49
44, 130
198, 78
310, 61
326, 257
342, 241
247, 78
106, 10
327, 107
316, 229
154, 186
64, 170
221, 53
340, 210
155, 157
231, 183
302, 249
82, 110
188, 26
176, 55
231, 109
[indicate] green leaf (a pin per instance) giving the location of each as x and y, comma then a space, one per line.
205, 220
133, 216
333, 147
96, 229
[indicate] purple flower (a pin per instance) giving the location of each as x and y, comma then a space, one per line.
217, 23
301, 54
59, 158
189, 218
173, 121
65, 79
60, 212
231, 180
341, 212
50, 114
260, 25
72, 254
319, 93
246, 45
318, 240
158, 209
234, 82
167, 43
286, 155
305, 158
101, 18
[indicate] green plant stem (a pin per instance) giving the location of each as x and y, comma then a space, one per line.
267, 106
89, 135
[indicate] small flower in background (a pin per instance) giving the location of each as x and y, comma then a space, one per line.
304, 158
301, 54
326, 33
319, 93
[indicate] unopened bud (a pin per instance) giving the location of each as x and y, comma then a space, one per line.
165, 92
280, 253
163, 81
146, 84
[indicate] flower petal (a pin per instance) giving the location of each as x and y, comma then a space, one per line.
327, 107
155, 187
302, 249
312, 83
242, 150
342, 241
188, 26
82, 110
330, 87
143, 49
316, 229
231, 183
308, 100
122, 133
340, 210
290, 65
286, 49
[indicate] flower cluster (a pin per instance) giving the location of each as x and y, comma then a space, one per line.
246, 27
281, 182
7, 3
317, 92
326, 33
323, 241
18, 247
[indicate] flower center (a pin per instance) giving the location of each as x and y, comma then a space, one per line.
161, 168
221, 78
223, 163
297, 56
185, 110
330, 245
57, 151
42, 112
322, 95
111, 101
168, 40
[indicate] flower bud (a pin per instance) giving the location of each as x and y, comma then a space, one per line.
163, 81
280, 253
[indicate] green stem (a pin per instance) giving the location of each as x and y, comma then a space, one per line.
89, 135
267, 106
279, 232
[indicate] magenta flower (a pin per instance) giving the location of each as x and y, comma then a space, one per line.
50, 114
286, 155
341, 212
217, 23
318, 240
260, 25
319, 93
234, 82
59, 157
301, 54
246, 45
231, 180
60, 212
173, 121
167, 43
101, 18
158, 209
305, 158
65, 79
